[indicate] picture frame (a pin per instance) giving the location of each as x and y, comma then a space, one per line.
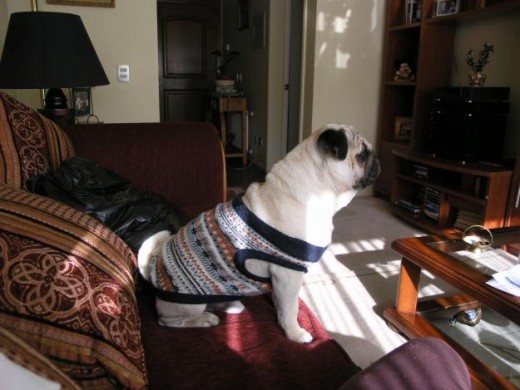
403, 128
243, 14
82, 101
446, 7
86, 3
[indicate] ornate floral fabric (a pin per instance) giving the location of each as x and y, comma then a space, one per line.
29, 143
67, 288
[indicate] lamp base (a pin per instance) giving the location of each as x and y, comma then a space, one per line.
60, 116
55, 99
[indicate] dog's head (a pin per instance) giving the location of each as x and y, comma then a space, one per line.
346, 156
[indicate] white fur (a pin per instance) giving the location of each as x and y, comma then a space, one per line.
299, 197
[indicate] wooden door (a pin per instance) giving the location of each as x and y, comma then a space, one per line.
188, 33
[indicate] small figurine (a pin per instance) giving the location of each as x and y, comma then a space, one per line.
404, 73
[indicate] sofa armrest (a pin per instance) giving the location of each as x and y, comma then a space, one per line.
183, 162
422, 363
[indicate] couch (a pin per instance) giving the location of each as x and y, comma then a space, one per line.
73, 309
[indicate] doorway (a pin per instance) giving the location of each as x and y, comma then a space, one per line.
187, 33
293, 75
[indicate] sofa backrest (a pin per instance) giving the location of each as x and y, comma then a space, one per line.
29, 143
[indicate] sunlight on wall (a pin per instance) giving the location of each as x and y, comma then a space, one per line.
339, 25
347, 63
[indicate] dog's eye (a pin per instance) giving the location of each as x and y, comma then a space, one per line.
363, 156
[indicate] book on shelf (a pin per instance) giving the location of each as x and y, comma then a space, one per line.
412, 207
420, 172
431, 205
413, 11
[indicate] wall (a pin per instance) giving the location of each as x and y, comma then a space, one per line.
502, 71
347, 61
126, 34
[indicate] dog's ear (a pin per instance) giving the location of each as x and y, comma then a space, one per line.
333, 143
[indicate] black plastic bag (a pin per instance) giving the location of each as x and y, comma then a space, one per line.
132, 214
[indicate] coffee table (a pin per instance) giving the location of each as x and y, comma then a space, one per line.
438, 255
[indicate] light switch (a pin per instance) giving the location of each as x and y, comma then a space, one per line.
123, 73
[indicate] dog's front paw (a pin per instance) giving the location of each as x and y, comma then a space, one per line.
299, 335
205, 320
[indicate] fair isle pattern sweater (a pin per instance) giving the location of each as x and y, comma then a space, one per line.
205, 261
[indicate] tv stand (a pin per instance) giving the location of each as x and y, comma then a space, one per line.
449, 194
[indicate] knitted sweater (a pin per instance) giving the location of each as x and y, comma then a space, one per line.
205, 261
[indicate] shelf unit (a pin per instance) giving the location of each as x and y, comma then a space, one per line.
477, 190
427, 46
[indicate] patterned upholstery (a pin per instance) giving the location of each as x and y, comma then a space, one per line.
21, 353
29, 143
67, 289
67, 283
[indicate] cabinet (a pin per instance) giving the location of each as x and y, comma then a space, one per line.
427, 45
438, 194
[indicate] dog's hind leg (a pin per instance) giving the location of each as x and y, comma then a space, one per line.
179, 315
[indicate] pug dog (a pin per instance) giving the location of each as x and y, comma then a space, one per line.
263, 241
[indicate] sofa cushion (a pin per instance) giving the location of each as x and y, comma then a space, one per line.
29, 143
67, 288
245, 351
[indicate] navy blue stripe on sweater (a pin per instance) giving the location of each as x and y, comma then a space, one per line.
292, 246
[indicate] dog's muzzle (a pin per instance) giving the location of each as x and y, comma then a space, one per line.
372, 170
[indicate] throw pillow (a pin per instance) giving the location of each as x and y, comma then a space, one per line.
29, 143
67, 289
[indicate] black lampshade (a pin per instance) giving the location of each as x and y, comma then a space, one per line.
49, 50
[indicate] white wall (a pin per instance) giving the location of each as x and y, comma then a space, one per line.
126, 34
347, 60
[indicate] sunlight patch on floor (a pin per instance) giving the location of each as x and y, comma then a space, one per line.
347, 310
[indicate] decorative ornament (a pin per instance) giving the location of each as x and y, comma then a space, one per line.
477, 63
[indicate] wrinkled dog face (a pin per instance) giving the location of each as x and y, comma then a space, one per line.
350, 158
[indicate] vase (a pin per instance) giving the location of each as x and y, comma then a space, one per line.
476, 79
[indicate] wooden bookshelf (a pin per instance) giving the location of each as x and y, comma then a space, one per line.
428, 46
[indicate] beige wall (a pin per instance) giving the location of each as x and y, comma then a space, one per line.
347, 63
126, 34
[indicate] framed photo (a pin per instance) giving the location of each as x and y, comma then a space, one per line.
446, 7
82, 101
243, 14
87, 3
403, 128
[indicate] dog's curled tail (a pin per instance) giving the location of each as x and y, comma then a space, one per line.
151, 247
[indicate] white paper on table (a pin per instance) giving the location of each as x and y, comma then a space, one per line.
489, 260
507, 281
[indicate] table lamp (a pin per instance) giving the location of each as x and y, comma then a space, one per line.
49, 50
